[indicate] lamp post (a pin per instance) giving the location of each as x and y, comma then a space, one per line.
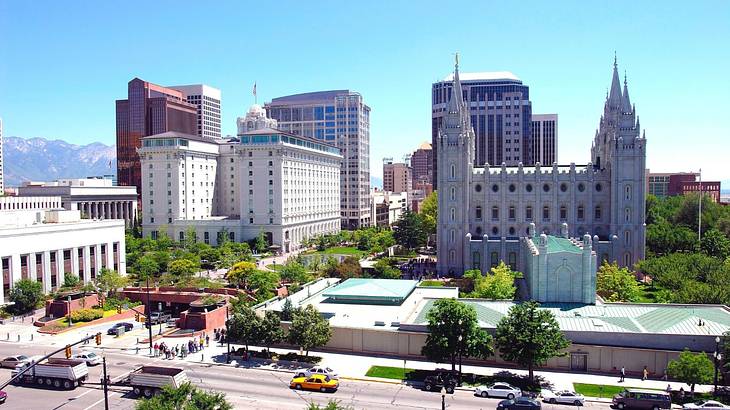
68, 299
148, 321
443, 398
228, 339
718, 356
159, 309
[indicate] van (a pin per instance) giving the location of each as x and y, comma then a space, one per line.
642, 399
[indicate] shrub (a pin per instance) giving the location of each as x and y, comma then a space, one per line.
86, 315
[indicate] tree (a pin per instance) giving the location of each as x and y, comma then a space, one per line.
429, 213
500, 284
109, 281
691, 368
384, 269
348, 268
269, 330
264, 283
715, 243
309, 329
529, 336
190, 238
454, 332
287, 311
147, 267
409, 231
243, 325
616, 284
185, 397
182, 267
70, 280
260, 244
295, 272
332, 404
25, 294
239, 273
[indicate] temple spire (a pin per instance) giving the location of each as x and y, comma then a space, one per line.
626, 102
614, 96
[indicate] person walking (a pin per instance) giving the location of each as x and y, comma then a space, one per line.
645, 373
207, 340
623, 374
157, 349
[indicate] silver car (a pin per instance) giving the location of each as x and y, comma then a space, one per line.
90, 358
563, 396
499, 389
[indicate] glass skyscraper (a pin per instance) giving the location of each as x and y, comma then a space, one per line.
340, 117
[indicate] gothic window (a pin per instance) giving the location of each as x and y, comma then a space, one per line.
479, 213
627, 238
452, 193
563, 213
479, 231
597, 213
511, 230
453, 214
627, 259
453, 171
627, 214
494, 259
511, 213
598, 187
581, 187
495, 213
528, 213
512, 258
580, 213
545, 213
627, 192
476, 260
452, 256
452, 236
528, 187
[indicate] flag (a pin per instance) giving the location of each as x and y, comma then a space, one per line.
254, 89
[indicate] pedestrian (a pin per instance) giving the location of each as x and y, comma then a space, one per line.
669, 388
202, 343
623, 374
184, 351
645, 374
681, 393
207, 340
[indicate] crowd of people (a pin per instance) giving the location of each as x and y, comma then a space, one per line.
181, 350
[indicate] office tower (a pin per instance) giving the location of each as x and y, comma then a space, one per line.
340, 117
396, 176
499, 110
208, 101
422, 165
148, 110
545, 138
255, 119
2, 185
664, 184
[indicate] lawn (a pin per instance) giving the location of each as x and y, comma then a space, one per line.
469, 379
64, 322
342, 250
649, 294
435, 283
387, 372
602, 390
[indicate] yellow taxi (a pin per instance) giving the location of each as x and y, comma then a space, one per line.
320, 382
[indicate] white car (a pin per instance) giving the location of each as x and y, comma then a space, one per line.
562, 396
90, 358
499, 389
705, 404
317, 370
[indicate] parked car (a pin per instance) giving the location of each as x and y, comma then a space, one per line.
499, 389
3, 397
563, 396
642, 399
317, 370
705, 404
442, 379
319, 382
519, 403
13, 361
126, 325
91, 358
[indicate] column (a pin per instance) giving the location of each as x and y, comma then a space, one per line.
110, 256
60, 268
32, 267
87, 264
92, 213
122, 258
47, 271
15, 272
2, 286
97, 257
75, 262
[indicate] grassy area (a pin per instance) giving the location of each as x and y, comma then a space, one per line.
342, 250
469, 379
602, 390
388, 372
64, 322
278, 267
435, 283
649, 294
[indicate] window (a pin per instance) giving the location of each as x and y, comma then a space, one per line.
479, 231
495, 188
563, 187
452, 256
452, 193
627, 192
181, 236
453, 171
476, 260
512, 187
511, 213
627, 259
206, 237
627, 238
528, 213
627, 215
546, 213
580, 212
597, 213
478, 188
563, 213
528, 187
452, 236
479, 213
546, 187
581, 187
511, 230
512, 258
495, 231
453, 214
494, 259
495, 213
598, 187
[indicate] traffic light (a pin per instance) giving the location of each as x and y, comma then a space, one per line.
119, 309
98, 338
68, 351
136, 317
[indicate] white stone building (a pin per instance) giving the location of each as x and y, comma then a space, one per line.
96, 198
44, 244
255, 119
388, 206
269, 181
484, 210
208, 101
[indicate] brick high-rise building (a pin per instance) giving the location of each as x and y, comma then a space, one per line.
148, 110
396, 176
2, 186
422, 165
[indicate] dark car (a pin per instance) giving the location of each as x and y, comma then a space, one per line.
443, 378
519, 403
113, 330
642, 399
3, 397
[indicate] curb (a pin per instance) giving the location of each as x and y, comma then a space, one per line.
362, 379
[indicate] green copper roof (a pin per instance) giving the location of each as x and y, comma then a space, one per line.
558, 244
361, 290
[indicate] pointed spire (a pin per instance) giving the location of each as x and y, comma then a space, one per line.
638, 125
456, 102
614, 97
626, 102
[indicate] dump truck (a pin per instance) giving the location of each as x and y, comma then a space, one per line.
54, 373
149, 380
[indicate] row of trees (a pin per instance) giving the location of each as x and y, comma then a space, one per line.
370, 240
528, 336
260, 283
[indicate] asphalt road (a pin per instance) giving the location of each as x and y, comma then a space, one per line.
244, 388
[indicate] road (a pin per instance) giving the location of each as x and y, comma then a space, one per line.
244, 388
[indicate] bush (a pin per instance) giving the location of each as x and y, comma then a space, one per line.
111, 303
86, 315
295, 357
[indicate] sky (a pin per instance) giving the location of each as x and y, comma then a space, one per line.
64, 63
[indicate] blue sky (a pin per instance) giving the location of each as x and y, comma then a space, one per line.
62, 64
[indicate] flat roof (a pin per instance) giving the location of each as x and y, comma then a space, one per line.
666, 319
375, 290
492, 76
557, 244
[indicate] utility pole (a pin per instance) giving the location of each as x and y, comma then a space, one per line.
105, 383
148, 322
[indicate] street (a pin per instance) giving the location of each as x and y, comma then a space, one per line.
244, 388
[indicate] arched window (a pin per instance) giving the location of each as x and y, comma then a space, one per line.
479, 231
563, 213
453, 171
452, 236
511, 213
545, 213
452, 194
512, 258
597, 213
452, 256
495, 213
479, 213
627, 238
627, 259
453, 214
627, 192
627, 214
581, 213
495, 231
495, 259
511, 230
476, 260
528, 213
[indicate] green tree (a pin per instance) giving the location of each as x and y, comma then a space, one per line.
70, 280
185, 397
454, 332
429, 213
182, 267
309, 329
190, 238
529, 336
108, 281
260, 244
616, 284
295, 272
240, 272
269, 330
287, 311
409, 231
263, 283
348, 268
147, 267
385, 270
244, 325
25, 295
691, 368
500, 284
715, 243
332, 404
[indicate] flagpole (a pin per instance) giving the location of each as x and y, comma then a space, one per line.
699, 212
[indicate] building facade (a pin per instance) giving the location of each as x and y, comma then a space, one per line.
397, 176
96, 198
664, 184
340, 117
255, 119
388, 206
45, 244
269, 181
148, 110
208, 102
544, 138
422, 165
499, 110
2, 184
484, 210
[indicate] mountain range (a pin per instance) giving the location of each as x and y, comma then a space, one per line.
40, 159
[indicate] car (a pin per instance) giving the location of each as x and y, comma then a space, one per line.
90, 358
319, 382
563, 396
317, 370
159, 317
126, 325
705, 404
519, 403
12, 362
632, 398
3, 397
442, 379
499, 389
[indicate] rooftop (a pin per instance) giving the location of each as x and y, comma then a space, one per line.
557, 244
313, 97
391, 291
176, 134
491, 76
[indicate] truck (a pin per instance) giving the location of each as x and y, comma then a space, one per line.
54, 373
149, 380
159, 317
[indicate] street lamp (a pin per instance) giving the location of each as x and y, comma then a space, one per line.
718, 356
148, 322
159, 309
443, 398
228, 339
68, 298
